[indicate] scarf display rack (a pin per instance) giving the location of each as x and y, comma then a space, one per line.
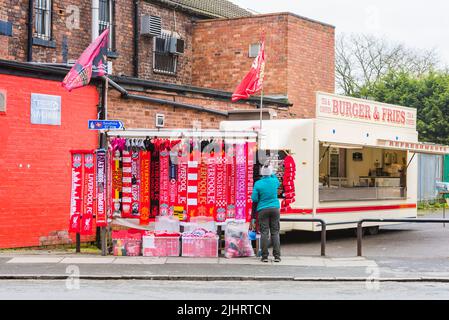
178, 172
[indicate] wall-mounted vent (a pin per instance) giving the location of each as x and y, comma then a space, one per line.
176, 46
254, 50
151, 26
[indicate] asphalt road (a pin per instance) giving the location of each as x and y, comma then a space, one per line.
220, 290
401, 241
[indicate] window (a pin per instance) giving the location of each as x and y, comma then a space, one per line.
361, 173
106, 20
163, 60
254, 50
42, 19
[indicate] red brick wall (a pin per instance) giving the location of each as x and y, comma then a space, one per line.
299, 53
35, 200
220, 56
139, 114
311, 64
14, 48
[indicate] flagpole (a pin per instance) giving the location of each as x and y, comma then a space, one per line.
103, 144
261, 108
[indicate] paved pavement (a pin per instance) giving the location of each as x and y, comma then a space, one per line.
408, 252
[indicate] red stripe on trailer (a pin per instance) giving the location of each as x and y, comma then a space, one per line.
366, 208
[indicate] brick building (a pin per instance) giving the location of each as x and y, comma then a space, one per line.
179, 58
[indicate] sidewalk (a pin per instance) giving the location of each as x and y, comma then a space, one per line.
62, 266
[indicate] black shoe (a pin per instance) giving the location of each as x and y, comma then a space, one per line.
278, 259
264, 259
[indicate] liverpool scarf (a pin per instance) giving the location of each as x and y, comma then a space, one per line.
144, 196
231, 170
76, 193
126, 184
241, 188
164, 196
89, 207
101, 220
181, 201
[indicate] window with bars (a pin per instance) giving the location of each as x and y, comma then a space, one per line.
163, 60
106, 20
42, 19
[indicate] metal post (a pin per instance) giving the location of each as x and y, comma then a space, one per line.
359, 238
103, 241
323, 239
78, 243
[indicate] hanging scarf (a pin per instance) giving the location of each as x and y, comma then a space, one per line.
126, 184
145, 186
251, 151
221, 186
192, 179
211, 183
89, 187
101, 219
231, 173
135, 182
76, 192
181, 202
241, 188
164, 196
202, 185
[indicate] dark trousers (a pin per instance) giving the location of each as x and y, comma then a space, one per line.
269, 223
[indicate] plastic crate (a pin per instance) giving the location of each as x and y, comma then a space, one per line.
199, 247
127, 243
127, 247
160, 246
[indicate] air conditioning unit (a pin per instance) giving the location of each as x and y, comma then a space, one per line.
176, 46
151, 26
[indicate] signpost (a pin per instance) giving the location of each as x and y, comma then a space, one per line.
105, 124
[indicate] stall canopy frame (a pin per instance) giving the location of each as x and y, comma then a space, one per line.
182, 133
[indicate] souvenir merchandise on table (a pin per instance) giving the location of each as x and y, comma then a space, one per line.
200, 238
164, 240
127, 242
237, 241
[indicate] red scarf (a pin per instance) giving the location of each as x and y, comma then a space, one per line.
145, 186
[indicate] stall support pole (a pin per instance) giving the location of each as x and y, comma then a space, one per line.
78, 243
103, 144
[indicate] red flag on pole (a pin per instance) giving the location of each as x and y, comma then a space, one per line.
92, 62
253, 81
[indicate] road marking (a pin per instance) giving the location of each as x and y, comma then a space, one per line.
35, 260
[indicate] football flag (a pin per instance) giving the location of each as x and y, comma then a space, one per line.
92, 62
253, 81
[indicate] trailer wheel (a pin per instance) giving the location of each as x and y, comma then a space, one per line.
372, 231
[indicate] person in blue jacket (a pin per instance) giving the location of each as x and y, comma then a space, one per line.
265, 193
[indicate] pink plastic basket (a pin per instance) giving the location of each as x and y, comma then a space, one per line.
199, 247
161, 247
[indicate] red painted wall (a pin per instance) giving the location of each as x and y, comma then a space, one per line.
35, 198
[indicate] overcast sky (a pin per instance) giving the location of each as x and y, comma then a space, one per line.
421, 24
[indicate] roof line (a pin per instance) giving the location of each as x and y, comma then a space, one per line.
47, 72
269, 15
189, 9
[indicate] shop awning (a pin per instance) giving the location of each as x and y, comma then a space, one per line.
415, 147
182, 133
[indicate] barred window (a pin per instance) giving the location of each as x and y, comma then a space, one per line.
42, 19
106, 20
163, 60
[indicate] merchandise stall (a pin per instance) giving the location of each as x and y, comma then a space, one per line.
172, 192
355, 160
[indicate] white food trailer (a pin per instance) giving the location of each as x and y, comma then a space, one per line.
355, 160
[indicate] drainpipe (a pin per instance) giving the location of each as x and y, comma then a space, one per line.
136, 40
30, 31
95, 17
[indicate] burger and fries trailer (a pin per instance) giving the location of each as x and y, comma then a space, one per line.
355, 160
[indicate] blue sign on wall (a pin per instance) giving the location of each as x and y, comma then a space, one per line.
105, 124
